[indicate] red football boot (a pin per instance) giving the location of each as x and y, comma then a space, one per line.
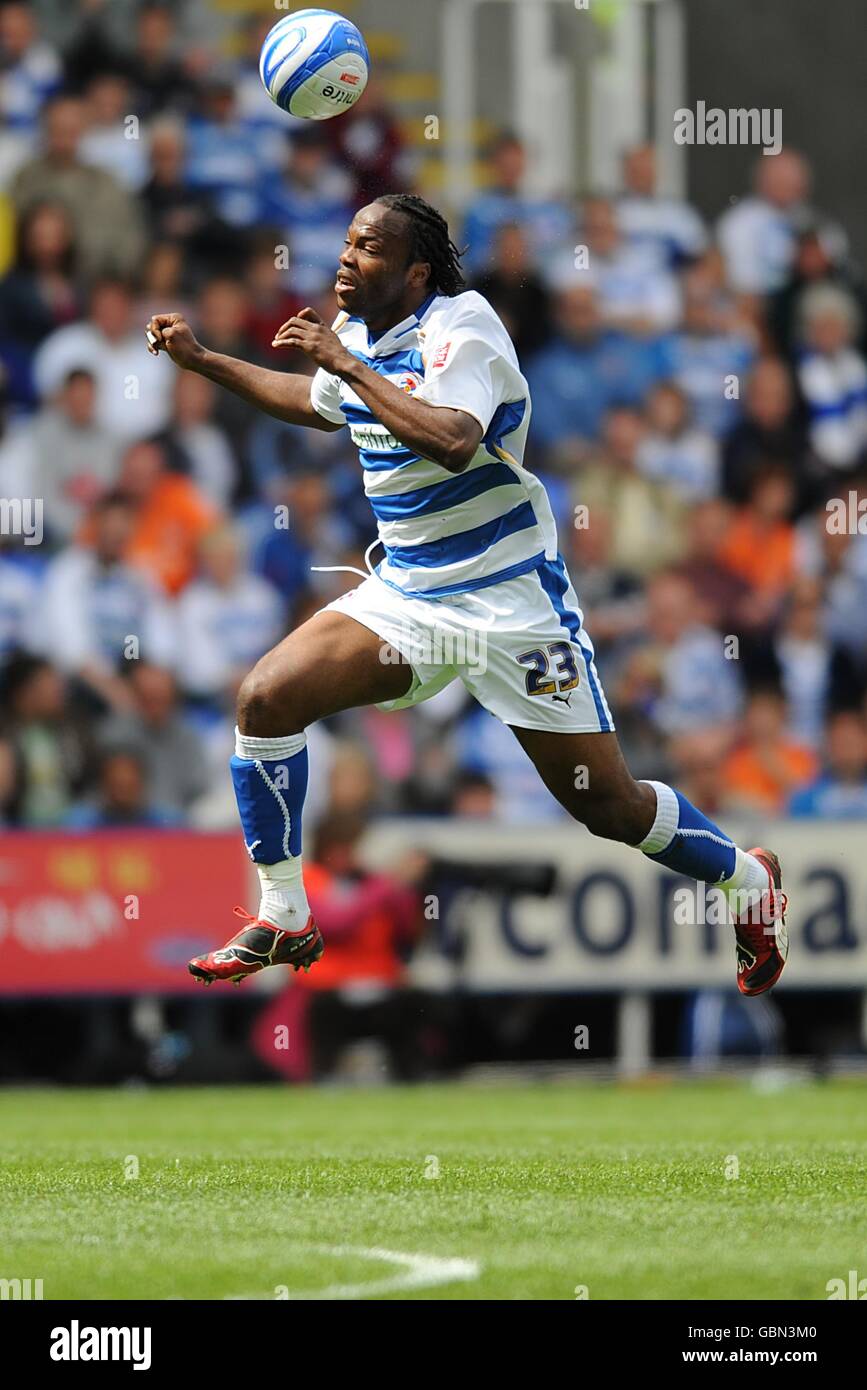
762, 939
255, 947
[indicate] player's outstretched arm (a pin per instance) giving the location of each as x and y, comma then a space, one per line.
446, 436
285, 395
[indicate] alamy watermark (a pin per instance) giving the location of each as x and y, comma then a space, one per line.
847, 516
465, 650
22, 516
739, 125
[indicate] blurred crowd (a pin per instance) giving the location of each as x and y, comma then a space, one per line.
699, 394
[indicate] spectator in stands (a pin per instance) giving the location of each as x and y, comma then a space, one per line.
487, 748
30, 65
760, 544
222, 160
262, 116
548, 222
175, 210
771, 431
374, 919
674, 450
647, 516
97, 611
516, 290
170, 517
37, 295
669, 228
133, 392
634, 678
300, 533
52, 748
94, 37
162, 280
832, 374
272, 299
724, 599
160, 80
815, 674
839, 792
19, 590
311, 205
196, 446
697, 757
697, 685
109, 235
637, 293
757, 235
154, 727
839, 558
473, 797
581, 373
611, 597
222, 316
110, 142
368, 142
820, 259
122, 798
710, 357
767, 764
63, 456
228, 618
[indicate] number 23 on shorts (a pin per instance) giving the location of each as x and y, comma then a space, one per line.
539, 660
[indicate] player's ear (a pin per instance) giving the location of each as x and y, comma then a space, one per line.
419, 274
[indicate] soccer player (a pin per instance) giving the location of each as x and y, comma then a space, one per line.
426, 378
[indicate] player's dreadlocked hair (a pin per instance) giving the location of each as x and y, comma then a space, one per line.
430, 241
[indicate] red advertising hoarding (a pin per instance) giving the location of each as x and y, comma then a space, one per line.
116, 912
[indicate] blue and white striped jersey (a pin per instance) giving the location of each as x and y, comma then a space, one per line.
446, 533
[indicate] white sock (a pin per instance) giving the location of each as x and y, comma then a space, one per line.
284, 902
747, 883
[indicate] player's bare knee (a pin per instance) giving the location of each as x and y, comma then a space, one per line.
263, 709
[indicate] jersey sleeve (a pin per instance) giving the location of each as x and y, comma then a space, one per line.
462, 371
325, 397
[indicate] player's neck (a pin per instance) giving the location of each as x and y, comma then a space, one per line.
381, 321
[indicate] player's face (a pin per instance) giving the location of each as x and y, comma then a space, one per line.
375, 275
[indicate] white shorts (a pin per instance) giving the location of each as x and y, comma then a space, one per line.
518, 646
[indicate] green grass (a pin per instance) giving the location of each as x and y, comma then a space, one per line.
621, 1189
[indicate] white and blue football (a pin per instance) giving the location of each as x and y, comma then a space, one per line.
315, 64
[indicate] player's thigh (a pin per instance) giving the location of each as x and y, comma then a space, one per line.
330, 663
587, 773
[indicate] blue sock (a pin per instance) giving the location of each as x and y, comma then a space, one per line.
684, 840
270, 780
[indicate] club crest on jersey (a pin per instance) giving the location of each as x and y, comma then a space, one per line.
408, 382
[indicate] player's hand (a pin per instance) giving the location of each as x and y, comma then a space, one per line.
172, 334
306, 332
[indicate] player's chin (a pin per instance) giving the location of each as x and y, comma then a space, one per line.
346, 294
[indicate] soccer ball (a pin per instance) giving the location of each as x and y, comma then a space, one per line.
315, 64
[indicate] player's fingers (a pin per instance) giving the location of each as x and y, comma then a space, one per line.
293, 331
153, 333
284, 328
309, 315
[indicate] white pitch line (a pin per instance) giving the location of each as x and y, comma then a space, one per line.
418, 1272
415, 1272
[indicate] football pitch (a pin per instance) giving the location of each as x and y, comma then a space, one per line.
552, 1191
